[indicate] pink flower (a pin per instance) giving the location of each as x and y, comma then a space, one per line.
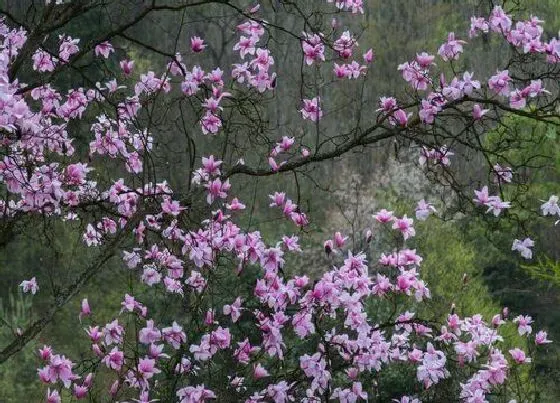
500, 83
452, 49
284, 145
339, 239
60, 368
147, 368
503, 174
534, 89
263, 60
432, 369
383, 216
478, 112
523, 324
425, 60
246, 46
271, 259
278, 199
197, 44
217, 189
541, 338
149, 334
341, 71
369, 56
85, 311
551, 206
30, 286
114, 359
400, 118
387, 104
235, 205
198, 394
92, 237
220, 338
478, 24
80, 392
291, 243
260, 372
174, 335
428, 112
114, 388
279, 392
210, 123
519, 356
104, 49
517, 100
423, 210
344, 45
311, 109
468, 85
127, 66
43, 61
45, 353
499, 20
113, 332
94, 334
328, 246
274, 165
524, 247
68, 47
482, 196
234, 310
313, 48
211, 166
404, 225
171, 207
244, 350
53, 397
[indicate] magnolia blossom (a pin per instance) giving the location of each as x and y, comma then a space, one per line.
30, 286
86, 310
313, 48
104, 49
452, 49
551, 206
541, 338
423, 210
524, 247
432, 369
404, 225
234, 310
384, 216
53, 397
197, 44
260, 372
519, 356
494, 203
500, 83
127, 66
478, 112
503, 174
523, 324
43, 61
311, 109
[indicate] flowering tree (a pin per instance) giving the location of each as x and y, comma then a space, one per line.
236, 326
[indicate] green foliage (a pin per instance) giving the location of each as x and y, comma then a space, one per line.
18, 373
